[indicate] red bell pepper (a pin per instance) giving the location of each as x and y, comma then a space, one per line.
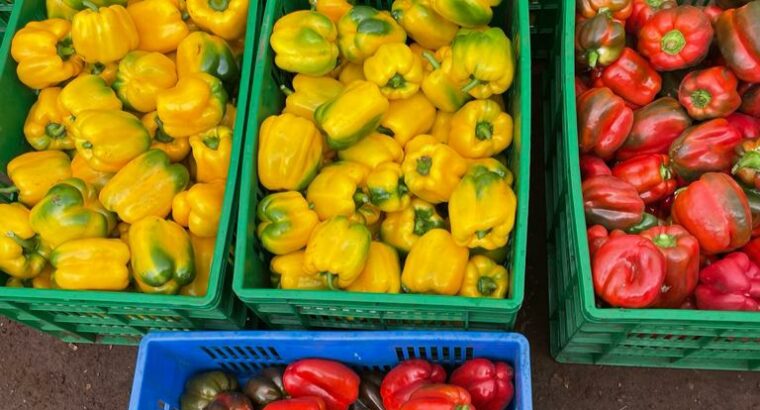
630, 77
662, 208
715, 210
676, 38
681, 251
752, 249
732, 283
439, 397
738, 33
619, 9
750, 99
707, 147
713, 12
650, 174
611, 202
747, 168
301, 403
489, 384
592, 166
628, 271
331, 381
599, 40
747, 126
709, 93
604, 122
580, 86
406, 378
597, 235
655, 127
642, 12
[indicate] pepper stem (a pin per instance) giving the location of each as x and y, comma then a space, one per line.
87, 145
90, 5
162, 136
313, 4
360, 198
474, 82
55, 130
422, 221
486, 286
701, 98
484, 130
218, 5
655, 4
285, 90
665, 173
750, 159
330, 279
482, 233
430, 57
97, 68
212, 142
385, 131
673, 42
424, 163
28, 245
396, 82
9, 190
593, 58
65, 48
664, 240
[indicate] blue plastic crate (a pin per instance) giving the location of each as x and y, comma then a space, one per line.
167, 360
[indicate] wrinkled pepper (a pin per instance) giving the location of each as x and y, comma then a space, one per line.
468, 13
382, 272
611, 202
337, 192
33, 173
643, 10
484, 278
386, 188
402, 229
431, 169
364, 29
212, 150
439, 397
285, 222
599, 40
676, 38
681, 251
604, 122
395, 69
305, 42
337, 251
82, 170
437, 86
103, 34
655, 127
352, 115
45, 53
141, 77
489, 383
619, 9
331, 381
203, 253
373, 151
736, 31
159, 23
301, 403
406, 378
84, 93
592, 166
199, 209
109, 139
709, 93
650, 174
747, 167
194, 105
480, 129
707, 147
288, 273
482, 61
631, 77
435, 265
747, 126
91, 264
309, 93
162, 255
369, 392
21, 253
44, 127
203, 388
267, 386
751, 100
423, 24
225, 18
206, 53
731, 283
408, 118
289, 153
176, 148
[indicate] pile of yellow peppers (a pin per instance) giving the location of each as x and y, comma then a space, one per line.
386, 169
132, 137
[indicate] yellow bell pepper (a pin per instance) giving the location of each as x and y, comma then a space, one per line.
482, 61
408, 118
21, 255
467, 13
437, 86
304, 42
105, 71
285, 222
480, 129
370, 216
334, 9
423, 24
382, 272
431, 169
194, 105
44, 279
33, 173
200, 208
45, 54
225, 18
206, 53
44, 126
86, 92
212, 150
16, 283
203, 252
337, 251
309, 93
435, 264
484, 278
159, 23
387, 189
141, 77
337, 192
144, 187
162, 255
69, 211
373, 150
122, 232
364, 29
403, 228
352, 115
288, 273
482, 207
82, 170
230, 114
105, 34
59, 9
91, 264
442, 126
109, 139
351, 72
290, 152
176, 148
395, 69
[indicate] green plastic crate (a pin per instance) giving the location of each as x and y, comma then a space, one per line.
581, 332
120, 317
314, 309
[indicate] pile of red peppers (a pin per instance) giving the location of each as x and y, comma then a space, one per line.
318, 384
668, 103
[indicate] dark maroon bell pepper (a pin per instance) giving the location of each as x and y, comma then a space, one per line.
750, 94
630, 77
604, 122
655, 127
599, 40
707, 147
611, 202
732, 283
489, 384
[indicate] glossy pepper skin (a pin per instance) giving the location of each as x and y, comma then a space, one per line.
285, 222
203, 388
82, 170
604, 122
732, 283
105, 71
709, 93
309, 93
45, 54
714, 210
438, 86
141, 77
650, 174
109, 139
404, 379
337, 250
301, 403
676, 38
482, 206
435, 265
395, 69
643, 10
599, 40
592, 166
203, 253
382, 272
176, 148
747, 167
751, 100
334, 9
331, 381
21, 254
289, 153
655, 127
681, 251
631, 77
212, 150
628, 271
484, 279
44, 127
468, 13
352, 115
707, 147
226, 19
739, 44
317, 56
200, 208
482, 61
439, 397
59, 9
611, 202
489, 383
747, 126
201, 52
423, 24
431, 169
441, 126
287, 272
386, 188
144, 187
364, 29
403, 228
159, 25
480, 129
104, 35
91, 264
619, 9
162, 255
86, 92
374, 150
194, 105
408, 118
267, 387
337, 192
33, 173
